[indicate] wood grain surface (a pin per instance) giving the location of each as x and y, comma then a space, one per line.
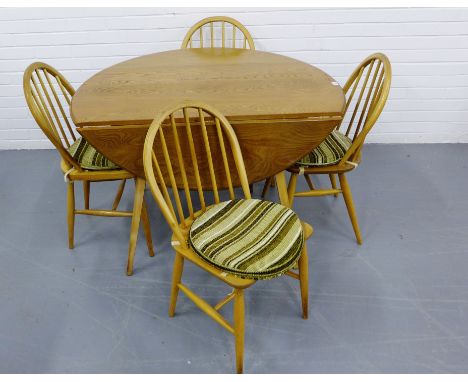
280, 108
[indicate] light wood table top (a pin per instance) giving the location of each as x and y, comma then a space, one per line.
281, 108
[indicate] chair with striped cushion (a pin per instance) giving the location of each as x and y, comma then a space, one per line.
48, 95
367, 91
190, 149
329, 152
220, 31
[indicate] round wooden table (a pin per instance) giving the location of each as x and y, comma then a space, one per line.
280, 108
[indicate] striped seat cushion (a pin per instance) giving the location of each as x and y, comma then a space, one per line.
251, 238
329, 152
88, 158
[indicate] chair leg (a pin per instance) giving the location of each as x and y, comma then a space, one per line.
86, 187
304, 281
118, 196
267, 184
333, 183
251, 188
309, 181
147, 228
71, 214
176, 277
239, 329
292, 188
348, 198
137, 206
282, 189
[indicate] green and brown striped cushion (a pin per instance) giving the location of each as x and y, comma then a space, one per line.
329, 152
251, 238
88, 158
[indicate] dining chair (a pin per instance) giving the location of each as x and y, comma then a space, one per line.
48, 95
366, 93
192, 147
227, 27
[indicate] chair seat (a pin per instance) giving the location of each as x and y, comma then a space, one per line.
88, 157
329, 152
251, 238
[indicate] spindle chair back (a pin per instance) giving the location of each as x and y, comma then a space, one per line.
366, 93
46, 91
182, 160
218, 31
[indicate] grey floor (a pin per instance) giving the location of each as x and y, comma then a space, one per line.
396, 304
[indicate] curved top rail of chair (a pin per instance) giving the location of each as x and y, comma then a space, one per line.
213, 19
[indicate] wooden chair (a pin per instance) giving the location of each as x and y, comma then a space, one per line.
191, 146
367, 91
48, 95
217, 25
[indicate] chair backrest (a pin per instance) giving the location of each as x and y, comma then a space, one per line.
181, 146
366, 94
221, 31
48, 95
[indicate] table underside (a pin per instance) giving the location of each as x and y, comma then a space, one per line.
268, 146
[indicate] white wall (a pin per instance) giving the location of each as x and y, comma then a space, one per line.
427, 47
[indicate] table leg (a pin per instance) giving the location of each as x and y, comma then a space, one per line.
137, 206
